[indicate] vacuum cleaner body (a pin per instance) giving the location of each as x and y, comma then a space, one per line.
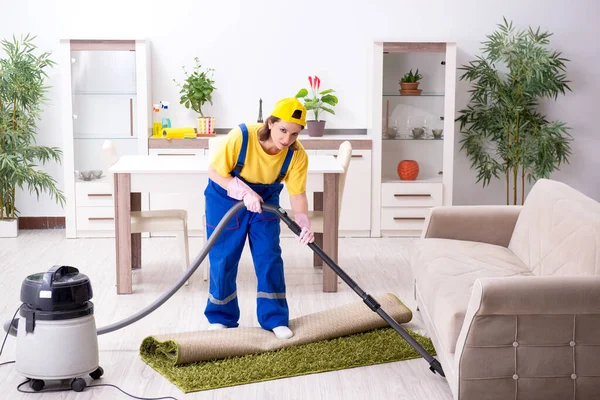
58, 349
56, 334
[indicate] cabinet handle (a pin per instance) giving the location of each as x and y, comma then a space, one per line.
352, 156
131, 117
412, 195
408, 218
99, 195
101, 219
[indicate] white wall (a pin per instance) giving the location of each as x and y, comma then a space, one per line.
267, 48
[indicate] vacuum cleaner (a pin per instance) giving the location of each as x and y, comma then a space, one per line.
57, 336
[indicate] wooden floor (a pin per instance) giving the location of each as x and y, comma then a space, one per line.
377, 265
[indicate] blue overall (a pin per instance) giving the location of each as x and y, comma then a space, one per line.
263, 232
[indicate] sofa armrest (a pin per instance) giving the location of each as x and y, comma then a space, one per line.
530, 334
485, 224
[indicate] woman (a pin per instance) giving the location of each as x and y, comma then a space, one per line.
250, 165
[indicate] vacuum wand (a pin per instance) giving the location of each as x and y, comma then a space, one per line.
434, 364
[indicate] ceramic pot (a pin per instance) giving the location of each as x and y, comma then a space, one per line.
315, 128
205, 126
9, 228
408, 170
409, 85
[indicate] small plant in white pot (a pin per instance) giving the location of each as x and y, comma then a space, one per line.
319, 102
22, 92
197, 90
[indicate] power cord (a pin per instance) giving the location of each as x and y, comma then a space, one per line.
67, 390
90, 386
6, 337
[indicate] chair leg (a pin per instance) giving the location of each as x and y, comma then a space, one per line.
318, 261
182, 237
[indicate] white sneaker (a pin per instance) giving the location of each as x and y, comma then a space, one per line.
212, 327
283, 332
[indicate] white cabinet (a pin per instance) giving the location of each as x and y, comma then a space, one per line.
407, 126
355, 216
192, 203
105, 90
404, 206
95, 214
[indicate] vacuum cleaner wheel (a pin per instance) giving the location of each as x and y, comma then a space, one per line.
97, 373
37, 384
78, 385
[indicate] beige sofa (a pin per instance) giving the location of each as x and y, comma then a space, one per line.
510, 295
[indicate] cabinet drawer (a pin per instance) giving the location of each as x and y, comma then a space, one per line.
398, 194
94, 194
95, 218
403, 218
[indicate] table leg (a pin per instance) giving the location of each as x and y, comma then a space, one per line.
330, 228
318, 206
136, 238
123, 246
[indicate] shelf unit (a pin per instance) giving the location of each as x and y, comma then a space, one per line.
105, 87
400, 207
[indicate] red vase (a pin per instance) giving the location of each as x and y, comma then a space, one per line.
408, 170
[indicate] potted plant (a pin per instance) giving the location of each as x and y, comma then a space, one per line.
196, 90
410, 82
504, 134
22, 92
318, 102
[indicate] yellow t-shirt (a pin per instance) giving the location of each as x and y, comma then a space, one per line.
260, 167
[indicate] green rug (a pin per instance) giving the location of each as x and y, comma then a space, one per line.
375, 347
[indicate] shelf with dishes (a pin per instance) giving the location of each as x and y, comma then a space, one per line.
407, 137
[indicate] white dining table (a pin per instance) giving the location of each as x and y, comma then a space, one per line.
137, 174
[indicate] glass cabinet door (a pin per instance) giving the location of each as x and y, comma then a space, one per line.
104, 93
104, 98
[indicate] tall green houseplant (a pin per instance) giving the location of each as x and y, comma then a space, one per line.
22, 93
504, 135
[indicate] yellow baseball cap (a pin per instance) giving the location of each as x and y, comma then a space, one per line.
290, 110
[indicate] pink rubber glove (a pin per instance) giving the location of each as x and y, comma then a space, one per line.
306, 236
240, 191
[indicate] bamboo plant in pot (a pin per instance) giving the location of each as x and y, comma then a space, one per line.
319, 102
197, 90
22, 93
505, 135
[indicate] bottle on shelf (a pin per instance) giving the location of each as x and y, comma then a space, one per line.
156, 121
166, 121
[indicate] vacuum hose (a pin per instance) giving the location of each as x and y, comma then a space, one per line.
180, 282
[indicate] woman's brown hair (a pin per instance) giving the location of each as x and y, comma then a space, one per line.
264, 133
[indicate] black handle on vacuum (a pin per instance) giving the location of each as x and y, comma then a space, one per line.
434, 365
54, 273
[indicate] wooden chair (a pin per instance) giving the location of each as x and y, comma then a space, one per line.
153, 220
316, 217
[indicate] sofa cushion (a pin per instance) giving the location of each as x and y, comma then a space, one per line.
558, 231
445, 271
